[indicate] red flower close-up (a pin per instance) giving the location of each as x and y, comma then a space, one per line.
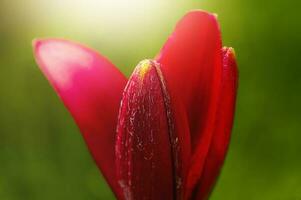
162, 133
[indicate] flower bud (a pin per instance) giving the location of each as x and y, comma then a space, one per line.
144, 151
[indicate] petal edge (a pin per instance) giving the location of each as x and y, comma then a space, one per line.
223, 126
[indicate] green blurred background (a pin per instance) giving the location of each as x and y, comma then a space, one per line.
42, 154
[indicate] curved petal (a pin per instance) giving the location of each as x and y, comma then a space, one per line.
144, 157
192, 66
223, 126
91, 88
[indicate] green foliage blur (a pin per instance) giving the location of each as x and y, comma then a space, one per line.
42, 154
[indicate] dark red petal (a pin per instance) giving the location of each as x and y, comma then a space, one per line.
143, 148
91, 88
192, 66
223, 126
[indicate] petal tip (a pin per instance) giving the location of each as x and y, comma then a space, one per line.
202, 13
215, 15
229, 52
35, 43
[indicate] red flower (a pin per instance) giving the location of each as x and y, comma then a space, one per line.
173, 115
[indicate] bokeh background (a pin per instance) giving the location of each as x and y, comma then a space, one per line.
42, 154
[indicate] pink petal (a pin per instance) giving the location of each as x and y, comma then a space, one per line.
223, 126
91, 88
192, 66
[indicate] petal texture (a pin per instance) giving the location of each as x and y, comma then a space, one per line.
144, 157
192, 66
223, 126
91, 88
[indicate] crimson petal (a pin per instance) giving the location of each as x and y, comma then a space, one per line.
192, 66
143, 148
91, 88
223, 126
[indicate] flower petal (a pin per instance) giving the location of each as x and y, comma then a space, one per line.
144, 157
223, 126
91, 88
192, 66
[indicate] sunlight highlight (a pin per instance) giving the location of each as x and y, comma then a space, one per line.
94, 12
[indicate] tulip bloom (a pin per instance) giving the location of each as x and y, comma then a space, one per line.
164, 132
